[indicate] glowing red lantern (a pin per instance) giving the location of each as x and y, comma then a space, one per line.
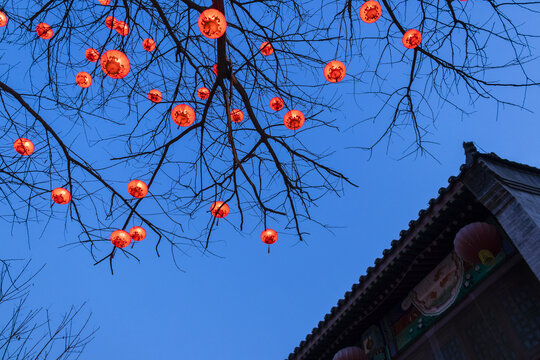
24, 146
266, 48
203, 93
155, 96
104, 2
61, 196
149, 44
122, 28
219, 209
478, 242
115, 64
110, 22
334, 71
212, 23
350, 353
83, 79
183, 115
120, 238
277, 103
269, 236
294, 119
137, 189
412, 38
370, 11
91, 55
237, 115
44, 31
214, 69
3, 19
137, 233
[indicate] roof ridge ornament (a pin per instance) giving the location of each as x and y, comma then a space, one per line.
470, 152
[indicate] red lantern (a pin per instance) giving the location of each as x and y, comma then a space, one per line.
155, 96
294, 119
237, 115
122, 28
115, 64
149, 44
91, 55
412, 38
60, 196
212, 23
203, 93
334, 71
277, 103
219, 209
183, 115
214, 69
137, 233
110, 22
350, 353
269, 236
370, 11
120, 238
3, 19
478, 242
104, 2
44, 31
24, 146
266, 48
137, 189
83, 79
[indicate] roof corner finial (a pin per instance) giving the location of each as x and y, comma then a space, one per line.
470, 152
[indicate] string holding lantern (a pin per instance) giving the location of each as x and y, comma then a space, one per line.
110, 22
478, 242
149, 45
83, 79
91, 55
137, 188
412, 38
370, 11
183, 115
44, 31
266, 48
155, 96
212, 23
219, 209
203, 93
137, 233
237, 115
115, 64
3, 19
294, 119
61, 196
120, 238
277, 103
350, 353
121, 28
335, 71
24, 146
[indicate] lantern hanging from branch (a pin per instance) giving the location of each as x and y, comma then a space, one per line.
137, 189
3, 19
350, 353
203, 93
24, 146
237, 115
276, 103
104, 2
294, 119
83, 79
91, 54
266, 48
115, 64
120, 238
110, 22
183, 115
155, 96
269, 236
478, 242
44, 31
370, 11
219, 209
137, 233
149, 45
61, 196
334, 71
122, 28
412, 38
212, 23
214, 69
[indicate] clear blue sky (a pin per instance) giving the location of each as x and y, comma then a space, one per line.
250, 304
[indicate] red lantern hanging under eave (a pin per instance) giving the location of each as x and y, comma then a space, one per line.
115, 64
269, 236
137, 233
44, 31
3, 19
120, 238
370, 11
24, 146
137, 189
219, 209
412, 38
294, 119
478, 242
350, 353
212, 23
61, 196
155, 96
149, 45
183, 115
335, 71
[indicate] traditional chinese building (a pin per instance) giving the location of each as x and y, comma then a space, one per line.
423, 301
